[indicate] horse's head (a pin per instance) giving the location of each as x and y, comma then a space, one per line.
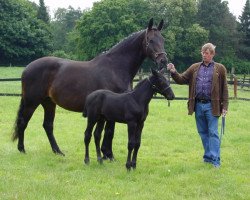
161, 85
154, 44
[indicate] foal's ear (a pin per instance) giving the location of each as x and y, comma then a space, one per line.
150, 23
160, 25
154, 72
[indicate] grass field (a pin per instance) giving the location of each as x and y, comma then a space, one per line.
169, 161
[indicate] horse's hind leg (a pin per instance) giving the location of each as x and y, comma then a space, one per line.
107, 140
24, 114
97, 135
48, 123
87, 138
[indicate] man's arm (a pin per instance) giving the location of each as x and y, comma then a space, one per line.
178, 78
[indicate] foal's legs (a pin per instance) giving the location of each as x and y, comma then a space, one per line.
48, 123
137, 144
107, 140
24, 114
87, 138
97, 135
131, 143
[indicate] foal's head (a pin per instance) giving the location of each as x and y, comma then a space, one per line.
161, 84
154, 44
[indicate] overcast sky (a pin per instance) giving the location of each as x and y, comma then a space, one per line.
235, 6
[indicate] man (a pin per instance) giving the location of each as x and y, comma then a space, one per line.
208, 98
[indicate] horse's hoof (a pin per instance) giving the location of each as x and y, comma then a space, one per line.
58, 152
100, 160
133, 165
21, 149
105, 157
86, 161
128, 166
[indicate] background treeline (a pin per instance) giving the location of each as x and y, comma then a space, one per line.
28, 32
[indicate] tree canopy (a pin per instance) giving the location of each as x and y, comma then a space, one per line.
27, 32
23, 37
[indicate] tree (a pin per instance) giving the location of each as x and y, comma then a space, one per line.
63, 23
244, 28
42, 12
107, 23
23, 37
184, 36
215, 17
110, 21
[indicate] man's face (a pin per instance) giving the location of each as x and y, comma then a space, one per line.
207, 56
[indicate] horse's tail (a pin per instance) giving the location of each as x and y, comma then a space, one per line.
18, 117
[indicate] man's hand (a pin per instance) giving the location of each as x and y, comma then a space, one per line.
224, 112
171, 68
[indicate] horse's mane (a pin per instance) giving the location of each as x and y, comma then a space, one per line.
125, 41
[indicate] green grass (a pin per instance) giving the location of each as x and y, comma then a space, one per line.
169, 161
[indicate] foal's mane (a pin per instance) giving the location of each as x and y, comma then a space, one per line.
140, 83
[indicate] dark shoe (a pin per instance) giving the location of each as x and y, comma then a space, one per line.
216, 166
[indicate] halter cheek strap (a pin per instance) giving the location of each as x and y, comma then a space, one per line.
156, 54
156, 89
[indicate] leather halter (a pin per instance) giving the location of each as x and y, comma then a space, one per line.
156, 89
156, 54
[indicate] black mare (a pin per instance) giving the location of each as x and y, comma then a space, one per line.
130, 108
51, 81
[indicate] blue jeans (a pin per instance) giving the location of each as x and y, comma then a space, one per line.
207, 126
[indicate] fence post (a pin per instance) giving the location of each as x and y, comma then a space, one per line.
235, 86
232, 74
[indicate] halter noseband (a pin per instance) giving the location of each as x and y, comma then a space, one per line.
156, 89
156, 54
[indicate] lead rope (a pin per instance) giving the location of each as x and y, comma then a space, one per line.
168, 74
223, 123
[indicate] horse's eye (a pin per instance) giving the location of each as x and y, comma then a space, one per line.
151, 41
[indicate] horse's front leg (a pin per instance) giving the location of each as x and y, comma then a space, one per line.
97, 135
107, 140
137, 144
131, 143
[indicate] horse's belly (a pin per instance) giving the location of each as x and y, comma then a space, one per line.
73, 101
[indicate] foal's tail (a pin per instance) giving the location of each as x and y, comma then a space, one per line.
84, 114
18, 118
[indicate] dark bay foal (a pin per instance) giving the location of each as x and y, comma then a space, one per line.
130, 108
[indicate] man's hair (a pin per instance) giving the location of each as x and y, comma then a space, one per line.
209, 46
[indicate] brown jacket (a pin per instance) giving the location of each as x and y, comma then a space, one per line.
219, 93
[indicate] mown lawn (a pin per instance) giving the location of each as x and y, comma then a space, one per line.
169, 161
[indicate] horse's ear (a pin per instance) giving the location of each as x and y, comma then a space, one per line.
150, 23
160, 25
154, 72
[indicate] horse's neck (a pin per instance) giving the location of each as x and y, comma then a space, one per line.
130, 54
143, 93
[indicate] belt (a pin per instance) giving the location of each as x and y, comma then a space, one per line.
203, 101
